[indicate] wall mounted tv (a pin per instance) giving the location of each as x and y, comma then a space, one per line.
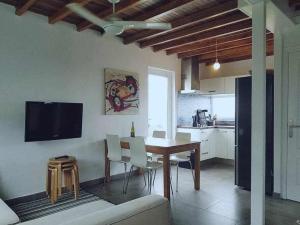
52, 121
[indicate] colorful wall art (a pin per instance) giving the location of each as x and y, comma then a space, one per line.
122, 92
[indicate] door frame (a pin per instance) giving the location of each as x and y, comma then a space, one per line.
285, 114
172, 96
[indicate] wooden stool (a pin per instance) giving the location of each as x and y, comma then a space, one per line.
57, 167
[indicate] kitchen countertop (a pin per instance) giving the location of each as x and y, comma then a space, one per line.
208, 127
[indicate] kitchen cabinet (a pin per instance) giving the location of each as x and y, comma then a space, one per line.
206, 137
229, 85
225, 143
221, 143
215, 142
212, 86
230, 144
221, 85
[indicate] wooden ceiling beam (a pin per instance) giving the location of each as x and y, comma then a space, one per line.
197, 28
234, 59
238, 51
209, 42
65, 11
167, 6
221, 46
20, 10
120, 7
232, 28
190, 19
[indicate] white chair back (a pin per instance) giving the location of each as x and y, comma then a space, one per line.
182, 136
114, 147
159, 134
138, 155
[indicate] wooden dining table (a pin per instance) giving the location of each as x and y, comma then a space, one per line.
164, 147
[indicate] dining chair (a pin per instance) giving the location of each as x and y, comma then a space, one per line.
159, 134
114, 153
182, 156
139, 159
156, 134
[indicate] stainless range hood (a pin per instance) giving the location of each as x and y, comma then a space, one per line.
190, 81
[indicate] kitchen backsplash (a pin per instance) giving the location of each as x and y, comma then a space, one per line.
188, 104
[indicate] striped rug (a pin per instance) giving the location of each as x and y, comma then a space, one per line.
43, 207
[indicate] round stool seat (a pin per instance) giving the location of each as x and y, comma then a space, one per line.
68, 159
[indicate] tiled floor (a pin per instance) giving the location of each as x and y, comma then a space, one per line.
218, 202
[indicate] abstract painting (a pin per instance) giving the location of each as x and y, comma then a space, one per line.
122, 92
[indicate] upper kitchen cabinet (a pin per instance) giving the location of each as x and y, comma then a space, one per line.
221, 85
212, 86
229, 85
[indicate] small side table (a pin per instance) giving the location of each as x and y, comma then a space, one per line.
56, 167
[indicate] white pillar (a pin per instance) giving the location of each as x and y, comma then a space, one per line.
258, 140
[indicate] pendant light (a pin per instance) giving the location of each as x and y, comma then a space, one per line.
216, 65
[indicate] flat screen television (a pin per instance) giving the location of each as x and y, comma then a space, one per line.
52, 121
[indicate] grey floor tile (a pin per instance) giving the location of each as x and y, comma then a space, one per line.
219, 201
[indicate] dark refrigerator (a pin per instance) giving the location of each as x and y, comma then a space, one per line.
243, 132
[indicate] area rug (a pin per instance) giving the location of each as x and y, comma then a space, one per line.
43, 207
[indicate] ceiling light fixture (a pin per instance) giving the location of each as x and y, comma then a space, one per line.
216, 65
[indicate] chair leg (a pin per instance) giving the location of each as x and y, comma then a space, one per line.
74, 184
106, 168
48, 182
125, 173
171, 184
177, 178
148, 174
77, 183
59, 179
53, 186
192, 170
145, 179
128, 179
150, 183
154, 177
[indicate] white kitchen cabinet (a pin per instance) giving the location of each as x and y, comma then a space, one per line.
229, 85
221, 143
230, 144
221, 85
207, 144
215, 142
225, 143
206, 137
212, 86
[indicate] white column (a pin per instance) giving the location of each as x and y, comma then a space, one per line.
258, 140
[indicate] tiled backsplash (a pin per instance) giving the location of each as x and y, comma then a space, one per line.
188, 104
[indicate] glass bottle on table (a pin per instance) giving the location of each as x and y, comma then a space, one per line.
132, 131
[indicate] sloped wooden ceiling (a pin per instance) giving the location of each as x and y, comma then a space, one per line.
199, 26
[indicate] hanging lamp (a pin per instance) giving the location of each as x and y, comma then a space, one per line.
216, 65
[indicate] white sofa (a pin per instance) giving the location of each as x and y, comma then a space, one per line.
148, 210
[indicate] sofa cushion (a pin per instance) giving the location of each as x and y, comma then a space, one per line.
148, 210
70, 214
7, 216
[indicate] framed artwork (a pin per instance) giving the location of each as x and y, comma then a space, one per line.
121, 92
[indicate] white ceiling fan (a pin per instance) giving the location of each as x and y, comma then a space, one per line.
115, 25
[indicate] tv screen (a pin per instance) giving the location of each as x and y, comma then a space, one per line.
52, 121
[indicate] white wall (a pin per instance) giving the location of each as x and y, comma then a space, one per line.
42, 62
237, 68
